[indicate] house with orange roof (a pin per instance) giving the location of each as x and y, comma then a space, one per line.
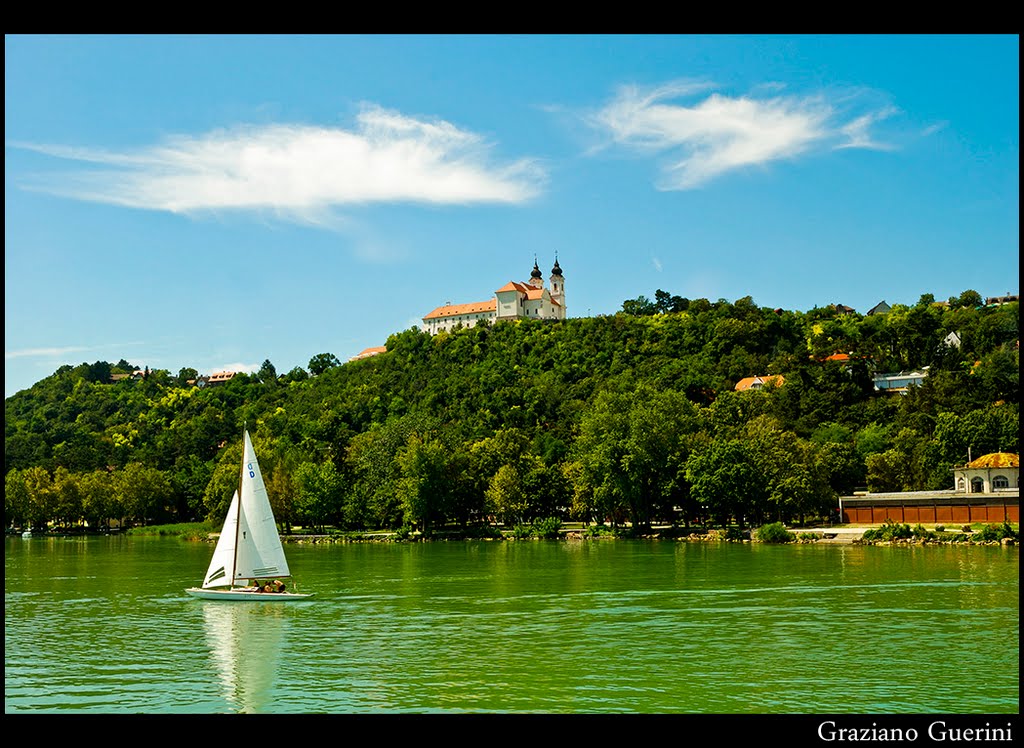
515, 300
369, 352
759, 383
218, 377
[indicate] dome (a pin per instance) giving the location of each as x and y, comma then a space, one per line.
556, 270
996, 460
536, 271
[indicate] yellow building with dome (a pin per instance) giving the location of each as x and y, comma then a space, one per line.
991, 473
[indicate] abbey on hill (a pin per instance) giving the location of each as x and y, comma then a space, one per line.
514, 300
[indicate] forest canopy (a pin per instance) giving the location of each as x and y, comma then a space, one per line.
628, 417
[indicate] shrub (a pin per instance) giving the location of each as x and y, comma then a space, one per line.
597, 531
549, 528
921, 533
775, 532
995, 533
889, 531
735, 533
522, 532
404, 532
480, 532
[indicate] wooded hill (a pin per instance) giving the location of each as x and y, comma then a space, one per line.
632, 417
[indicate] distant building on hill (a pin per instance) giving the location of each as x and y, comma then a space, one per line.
369, 352
759, 383
843, 309
900, 382
1000, 300
514, 300
880, 308
217, 378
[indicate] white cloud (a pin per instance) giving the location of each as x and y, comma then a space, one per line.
44, 352
857, 131
62, 351
300, 172
238, 368
717, 134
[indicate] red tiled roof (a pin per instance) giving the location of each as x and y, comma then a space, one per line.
748, 382
515, 286
454, 310
368, 352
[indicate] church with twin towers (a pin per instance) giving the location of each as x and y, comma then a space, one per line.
514, 300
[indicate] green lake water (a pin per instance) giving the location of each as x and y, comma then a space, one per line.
102, 625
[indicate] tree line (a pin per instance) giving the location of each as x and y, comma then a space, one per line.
631, 417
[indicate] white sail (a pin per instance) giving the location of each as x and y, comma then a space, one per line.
260, 553
222, 565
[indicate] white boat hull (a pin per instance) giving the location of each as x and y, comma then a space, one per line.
241, 594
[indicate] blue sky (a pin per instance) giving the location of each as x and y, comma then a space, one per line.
215, 201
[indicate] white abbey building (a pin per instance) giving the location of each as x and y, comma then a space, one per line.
514, 300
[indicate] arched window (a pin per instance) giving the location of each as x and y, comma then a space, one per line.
977, 485
960, 484
1000, 481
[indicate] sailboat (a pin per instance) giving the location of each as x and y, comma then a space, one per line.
248, 562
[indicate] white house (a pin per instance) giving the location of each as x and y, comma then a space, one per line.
514, 300
901, 381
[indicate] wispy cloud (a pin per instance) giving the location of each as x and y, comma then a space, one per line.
239, 368
701, 134
45, 352
299, 172
857, 131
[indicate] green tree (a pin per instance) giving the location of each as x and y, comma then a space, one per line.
321, 362
506, 495
969, 299
318, 489
68, 497
725, 480
17, 500
42, 499
267, 373
187, 374
639, 307
424, 488
98, 507
145, 494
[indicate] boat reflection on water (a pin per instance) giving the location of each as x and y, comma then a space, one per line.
245, 642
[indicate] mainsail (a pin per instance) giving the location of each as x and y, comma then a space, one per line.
260, 553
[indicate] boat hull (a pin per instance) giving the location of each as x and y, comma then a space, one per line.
240, 595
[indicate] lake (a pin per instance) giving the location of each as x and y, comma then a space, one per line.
102, 625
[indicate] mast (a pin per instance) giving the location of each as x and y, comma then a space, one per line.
238, 519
